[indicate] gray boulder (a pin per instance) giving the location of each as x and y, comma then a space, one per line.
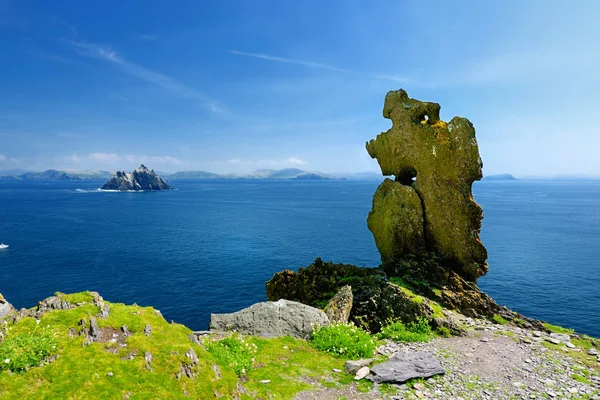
272, 319
404, 366
5, 307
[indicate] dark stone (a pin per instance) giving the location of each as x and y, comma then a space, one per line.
402, 367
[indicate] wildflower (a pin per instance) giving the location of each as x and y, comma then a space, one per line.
7, 361
37, 321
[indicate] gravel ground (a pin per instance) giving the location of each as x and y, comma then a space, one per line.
494, 362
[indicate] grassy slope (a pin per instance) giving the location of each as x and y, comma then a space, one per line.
82, 372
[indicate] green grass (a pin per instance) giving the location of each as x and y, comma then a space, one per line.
81, 372
233, 351
76, 298
344, 340
500, 320
416, 331
408, 290
25, 350
582, 379
557, 329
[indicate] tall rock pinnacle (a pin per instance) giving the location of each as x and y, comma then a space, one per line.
429, 206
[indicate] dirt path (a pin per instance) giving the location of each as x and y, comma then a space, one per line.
494, 362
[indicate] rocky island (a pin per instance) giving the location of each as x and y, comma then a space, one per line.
142, 179
415, 327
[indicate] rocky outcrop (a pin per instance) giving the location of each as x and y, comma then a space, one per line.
272, 319
316, 284
374, 298
429, 205
142, 179
339, 307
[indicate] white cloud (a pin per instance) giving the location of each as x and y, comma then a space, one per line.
139, 71
305, 63
9, 159
296, 161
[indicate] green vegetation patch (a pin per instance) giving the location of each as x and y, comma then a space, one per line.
22, 351
76, 298
48, 359
582, 379
233, 351
557, 329
344, 340
416, 331
500, 320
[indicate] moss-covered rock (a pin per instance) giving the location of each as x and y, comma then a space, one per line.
444, 159
339, 307
316, 284
396, 221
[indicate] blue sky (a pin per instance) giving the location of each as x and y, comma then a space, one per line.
240, 85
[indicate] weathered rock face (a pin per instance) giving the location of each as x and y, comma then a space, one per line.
5, 307
316, 284
444, 159
339, 307
272, 319
140, 179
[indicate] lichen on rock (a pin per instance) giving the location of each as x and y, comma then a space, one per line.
434, 164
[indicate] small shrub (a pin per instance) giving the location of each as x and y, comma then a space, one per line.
416, 331
233, 351
21, 352
344, 340
443, 332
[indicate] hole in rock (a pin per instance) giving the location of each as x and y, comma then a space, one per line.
407, 177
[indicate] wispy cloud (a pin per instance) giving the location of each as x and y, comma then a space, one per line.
4, 158
317, 65
304, 63
107, 54
113, 158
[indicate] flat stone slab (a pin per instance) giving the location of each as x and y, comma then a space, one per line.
404, 366
272, 319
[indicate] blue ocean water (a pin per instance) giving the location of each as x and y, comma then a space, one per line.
211, 245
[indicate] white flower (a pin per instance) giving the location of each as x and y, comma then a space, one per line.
37, 321
7, 361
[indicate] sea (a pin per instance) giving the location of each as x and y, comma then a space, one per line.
210, 246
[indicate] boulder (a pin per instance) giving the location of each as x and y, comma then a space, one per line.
434, 164
5, 307
272, 319
404, 366
339, 307
352, 366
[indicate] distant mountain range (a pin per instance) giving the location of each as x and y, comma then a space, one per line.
56, 175
499, 177
280, 174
